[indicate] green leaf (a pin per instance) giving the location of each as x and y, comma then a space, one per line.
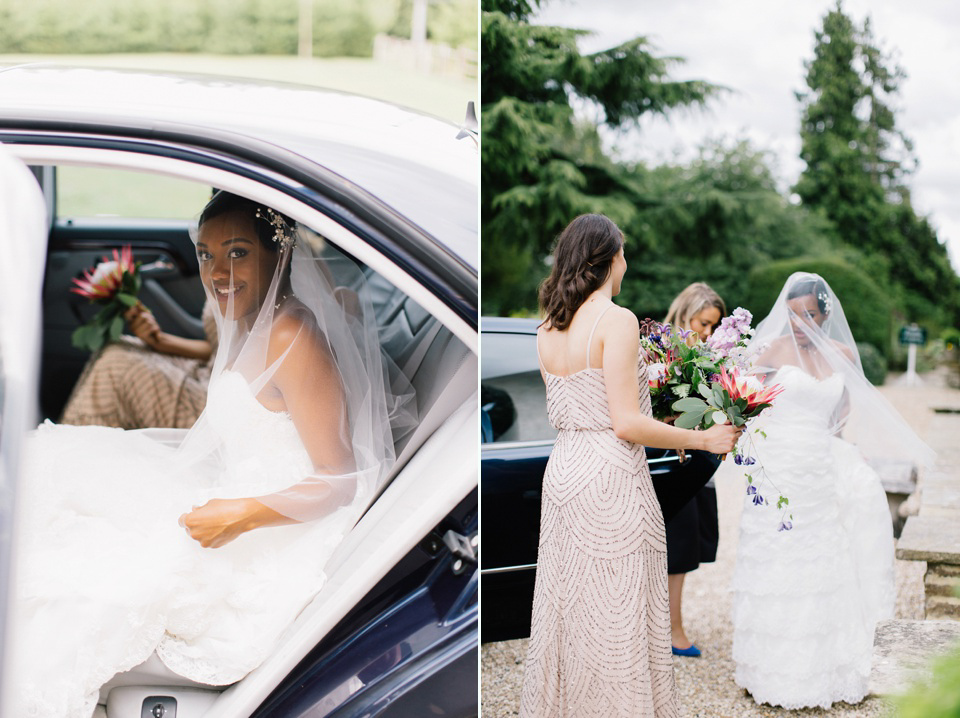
736, 418
720, 397
89, 337
689, 419
682, 390
127, 300
704, 391
116, 328
782, 501
689, 404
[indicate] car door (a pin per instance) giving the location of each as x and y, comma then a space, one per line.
22, 243
516, 443
94, 211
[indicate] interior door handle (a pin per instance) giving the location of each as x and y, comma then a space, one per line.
158, 268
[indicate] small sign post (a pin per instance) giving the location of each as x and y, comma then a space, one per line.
913, 336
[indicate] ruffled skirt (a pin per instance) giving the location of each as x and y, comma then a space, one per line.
806, 601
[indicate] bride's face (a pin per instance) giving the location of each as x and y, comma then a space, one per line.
804, 310
233, 263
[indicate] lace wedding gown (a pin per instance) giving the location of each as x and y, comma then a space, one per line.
107, 576
806, 601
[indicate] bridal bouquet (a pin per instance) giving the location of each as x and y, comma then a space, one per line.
707, 383
113, 284
693, 381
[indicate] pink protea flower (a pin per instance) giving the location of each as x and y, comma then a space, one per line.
748, 388
104, 281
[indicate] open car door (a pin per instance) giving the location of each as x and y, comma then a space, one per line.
23, 241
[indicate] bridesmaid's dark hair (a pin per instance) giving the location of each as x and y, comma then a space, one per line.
582, 259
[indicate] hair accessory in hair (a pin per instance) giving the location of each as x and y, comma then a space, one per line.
281, 230
826, 300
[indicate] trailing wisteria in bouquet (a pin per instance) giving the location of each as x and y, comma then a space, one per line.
113, 284
698, 384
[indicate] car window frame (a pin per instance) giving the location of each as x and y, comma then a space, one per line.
271, 189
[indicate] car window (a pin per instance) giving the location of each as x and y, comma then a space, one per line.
102, 192
512, 395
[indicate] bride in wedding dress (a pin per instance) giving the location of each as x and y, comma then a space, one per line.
204, 545
808, 597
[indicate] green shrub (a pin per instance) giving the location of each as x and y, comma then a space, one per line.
874, 365
940, 699
865, 304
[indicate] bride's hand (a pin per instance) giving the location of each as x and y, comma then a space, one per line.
219, 521
720, 438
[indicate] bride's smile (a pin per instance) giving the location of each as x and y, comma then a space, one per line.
234, 264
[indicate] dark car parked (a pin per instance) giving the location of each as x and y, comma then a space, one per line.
516, 443
394, 631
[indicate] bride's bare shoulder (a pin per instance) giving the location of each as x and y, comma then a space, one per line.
777, 348
295, 328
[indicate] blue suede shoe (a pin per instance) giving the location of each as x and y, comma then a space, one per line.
692, 651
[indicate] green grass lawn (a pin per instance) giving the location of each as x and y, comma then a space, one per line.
444, 97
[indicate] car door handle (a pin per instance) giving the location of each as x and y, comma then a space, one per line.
160, 267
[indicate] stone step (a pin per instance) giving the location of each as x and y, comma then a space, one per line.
934, 539
903, 652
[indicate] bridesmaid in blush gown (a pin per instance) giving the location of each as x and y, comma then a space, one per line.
600, 638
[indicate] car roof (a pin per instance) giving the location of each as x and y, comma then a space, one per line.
410, 161
509, 325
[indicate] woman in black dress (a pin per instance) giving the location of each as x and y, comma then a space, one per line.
693, 532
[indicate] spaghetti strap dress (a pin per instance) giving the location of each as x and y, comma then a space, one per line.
600, 636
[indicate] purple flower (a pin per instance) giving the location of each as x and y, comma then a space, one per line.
757, 499
785, 525
748, 461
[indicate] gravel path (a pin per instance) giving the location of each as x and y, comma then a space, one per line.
706, 684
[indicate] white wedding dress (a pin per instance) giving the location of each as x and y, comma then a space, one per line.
106, 575
807, 600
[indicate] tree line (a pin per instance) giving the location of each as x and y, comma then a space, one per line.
719, 218
340, 28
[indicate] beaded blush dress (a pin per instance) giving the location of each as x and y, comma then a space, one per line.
600, 638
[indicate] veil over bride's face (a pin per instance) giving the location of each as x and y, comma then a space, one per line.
804, 310
234, 264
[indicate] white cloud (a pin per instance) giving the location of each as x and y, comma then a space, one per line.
757, 48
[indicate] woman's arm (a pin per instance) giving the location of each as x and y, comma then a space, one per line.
144, 325
620, 335
309, 382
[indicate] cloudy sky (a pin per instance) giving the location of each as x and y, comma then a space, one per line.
757, 49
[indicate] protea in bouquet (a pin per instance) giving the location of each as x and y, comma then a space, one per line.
113, 284
699, 384
680, 366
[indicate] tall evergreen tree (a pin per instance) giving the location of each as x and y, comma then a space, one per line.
858, 163
541, 166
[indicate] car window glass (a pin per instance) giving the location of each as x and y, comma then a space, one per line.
101, 192
512, 395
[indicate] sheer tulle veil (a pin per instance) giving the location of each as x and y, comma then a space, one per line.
318, 297
807, 329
